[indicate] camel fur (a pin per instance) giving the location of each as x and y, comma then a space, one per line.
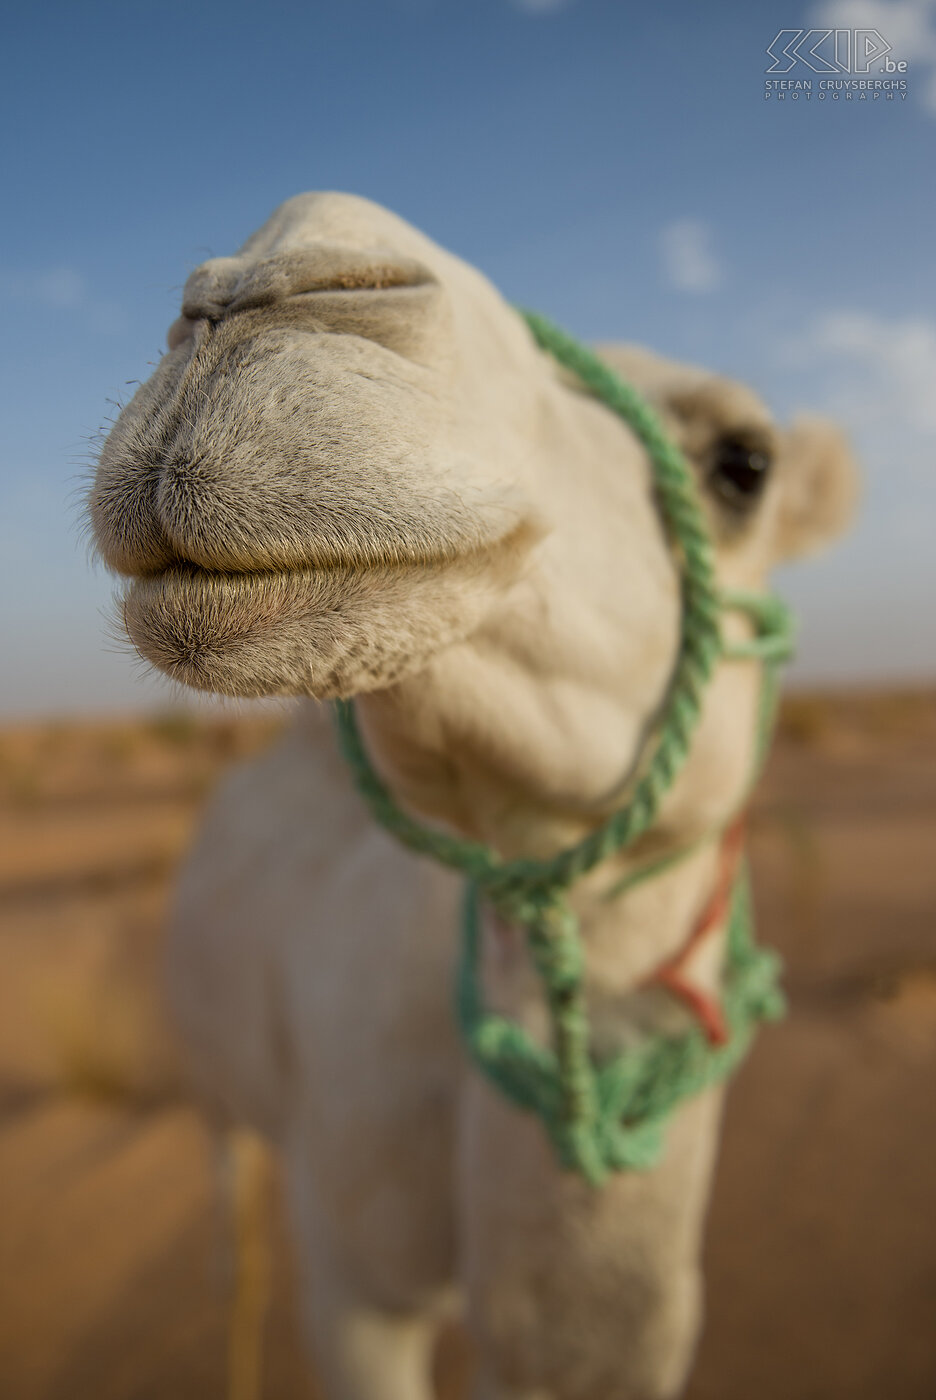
355, 474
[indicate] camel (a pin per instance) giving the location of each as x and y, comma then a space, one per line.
357, 474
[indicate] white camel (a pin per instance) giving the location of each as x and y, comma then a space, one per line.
356, 474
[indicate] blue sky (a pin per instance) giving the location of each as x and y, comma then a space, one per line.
616, 167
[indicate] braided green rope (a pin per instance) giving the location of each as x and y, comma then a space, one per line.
608, 1117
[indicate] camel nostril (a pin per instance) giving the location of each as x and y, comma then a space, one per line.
224, 286
210, 288
181, 330
326, 268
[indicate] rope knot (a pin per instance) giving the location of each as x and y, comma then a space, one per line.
557, 947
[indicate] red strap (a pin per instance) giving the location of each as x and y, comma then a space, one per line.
705, 1006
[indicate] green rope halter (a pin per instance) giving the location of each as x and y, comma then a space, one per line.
610, 1116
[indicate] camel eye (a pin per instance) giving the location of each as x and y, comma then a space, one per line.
738, 472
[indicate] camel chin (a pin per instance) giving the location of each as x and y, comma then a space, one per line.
230, 633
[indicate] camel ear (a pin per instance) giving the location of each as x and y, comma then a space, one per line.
818, 487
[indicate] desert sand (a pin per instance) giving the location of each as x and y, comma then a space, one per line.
821, 1253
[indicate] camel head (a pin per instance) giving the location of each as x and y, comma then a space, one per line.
329, 475
354, 452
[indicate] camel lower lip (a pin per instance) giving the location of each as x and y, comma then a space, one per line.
240, 634
328, 630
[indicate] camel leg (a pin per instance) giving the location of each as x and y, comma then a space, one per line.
489, 1386
363, 1351
363, 1347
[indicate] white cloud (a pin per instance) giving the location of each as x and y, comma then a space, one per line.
539, 7
873, 373
63, 289
909, 26
868, 606
60, 286
57, 287
689, 262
